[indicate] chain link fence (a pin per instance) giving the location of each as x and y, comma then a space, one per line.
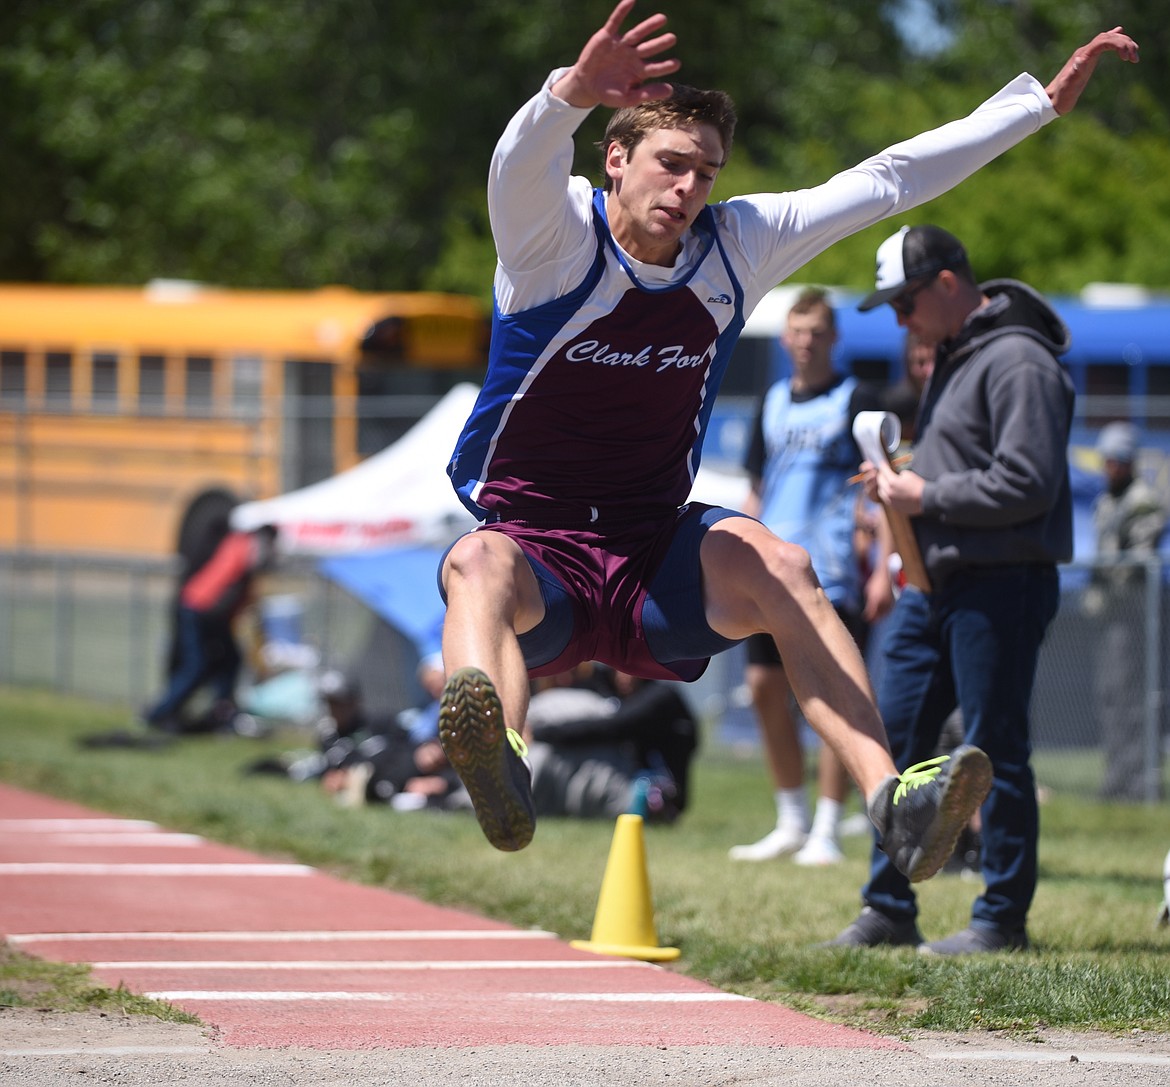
1098, 710
100, 628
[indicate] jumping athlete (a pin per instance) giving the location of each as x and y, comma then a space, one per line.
616, 311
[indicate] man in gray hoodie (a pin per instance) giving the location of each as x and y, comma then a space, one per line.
990, 505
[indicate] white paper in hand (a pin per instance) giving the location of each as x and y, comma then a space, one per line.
877, 434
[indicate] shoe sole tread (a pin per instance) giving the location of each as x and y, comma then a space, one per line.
473, 734
968, 784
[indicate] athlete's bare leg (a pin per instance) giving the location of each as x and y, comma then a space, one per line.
754, 582
491, 594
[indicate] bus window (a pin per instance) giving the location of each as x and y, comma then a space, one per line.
1106, 379
876, 370
247, 379
104, 387
152, 384
382, 342
13, 378
197, 396
1158, 380
1158, 389
750, 371
1106, 390
381, 418
58, 379
308, 443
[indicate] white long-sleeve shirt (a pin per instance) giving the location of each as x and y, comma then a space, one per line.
603, 370
540, 211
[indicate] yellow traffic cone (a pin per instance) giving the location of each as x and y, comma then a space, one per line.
624, 922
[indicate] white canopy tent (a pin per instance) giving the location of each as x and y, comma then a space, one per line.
401, 497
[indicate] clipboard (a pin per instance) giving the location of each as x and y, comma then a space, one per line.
877, 434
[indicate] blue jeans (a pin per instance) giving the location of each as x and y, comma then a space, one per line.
974, 645
207, 654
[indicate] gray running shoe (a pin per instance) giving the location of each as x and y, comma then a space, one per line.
920, 813
978, 939
876, 929
488, 757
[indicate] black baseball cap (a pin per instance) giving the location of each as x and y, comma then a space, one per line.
915, 252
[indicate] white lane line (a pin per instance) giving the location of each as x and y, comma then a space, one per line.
63, 868
105, 837
284, 997
386, 998
348, 966
268, 937
639, 998
52, 826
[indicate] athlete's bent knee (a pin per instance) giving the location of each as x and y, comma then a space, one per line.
481, 558
787, 562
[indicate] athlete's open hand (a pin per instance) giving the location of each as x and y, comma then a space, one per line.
616, 69
1065, 90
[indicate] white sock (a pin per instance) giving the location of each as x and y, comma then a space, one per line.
792, 808
827, 818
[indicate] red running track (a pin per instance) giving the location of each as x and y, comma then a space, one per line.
274, 954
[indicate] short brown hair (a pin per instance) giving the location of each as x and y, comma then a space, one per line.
685, 106
811, 299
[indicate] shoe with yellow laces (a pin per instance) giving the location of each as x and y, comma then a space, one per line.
920, 813
489, 759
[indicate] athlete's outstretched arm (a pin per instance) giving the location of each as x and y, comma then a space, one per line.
613, 68
1065, 90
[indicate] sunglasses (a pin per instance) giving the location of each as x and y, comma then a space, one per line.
904, 303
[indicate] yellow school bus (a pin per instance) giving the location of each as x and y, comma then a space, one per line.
120, 405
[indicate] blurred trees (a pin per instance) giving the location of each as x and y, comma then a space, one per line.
302, 142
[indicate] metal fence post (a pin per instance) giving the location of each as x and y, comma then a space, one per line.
7, 617
62, 625
1153, 700
136, 681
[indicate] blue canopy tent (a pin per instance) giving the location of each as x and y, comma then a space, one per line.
399, 585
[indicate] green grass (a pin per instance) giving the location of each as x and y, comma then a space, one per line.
1098, 961
27, 982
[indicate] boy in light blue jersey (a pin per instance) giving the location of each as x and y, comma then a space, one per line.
800, 460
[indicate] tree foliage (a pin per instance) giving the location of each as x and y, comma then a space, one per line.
302, 142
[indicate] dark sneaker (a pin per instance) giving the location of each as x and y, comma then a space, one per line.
978, 939
876, 929
920, 813
487, 756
